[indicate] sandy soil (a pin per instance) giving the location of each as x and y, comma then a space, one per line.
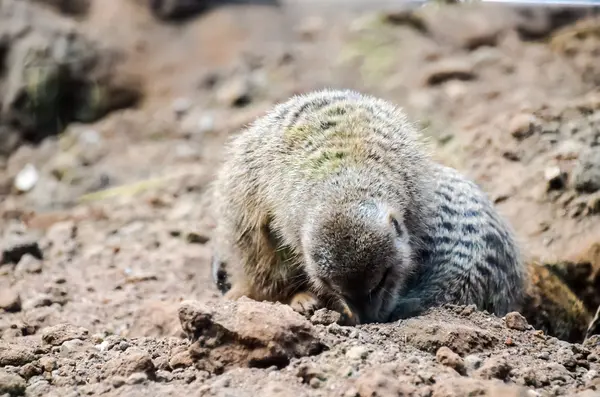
100, 251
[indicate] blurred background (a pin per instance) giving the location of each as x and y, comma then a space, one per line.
114, 113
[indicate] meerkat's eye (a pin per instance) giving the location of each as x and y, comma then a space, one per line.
397, 227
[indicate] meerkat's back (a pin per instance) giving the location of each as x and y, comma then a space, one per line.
470, 256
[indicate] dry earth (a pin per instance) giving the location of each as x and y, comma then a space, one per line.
112, 122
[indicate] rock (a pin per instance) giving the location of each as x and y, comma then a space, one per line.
555, 178
137, 378
473, 362
522, 125
30, 370
58, 334
10, 300
48, 364
587, 171
131, 362
357, 353
11, 384
450, 359
405, 16
196, 238
39, 387
26, 178
514, 320
385, 382
247, 333
461, 339
325, 317
56, 72
181, 359
235, 92
28, 264
449, 69
494, 368
18, 244
15, 355
480, 26
308, 372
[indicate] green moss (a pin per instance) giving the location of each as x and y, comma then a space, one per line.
375, 48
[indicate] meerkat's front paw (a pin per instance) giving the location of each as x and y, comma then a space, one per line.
305, 303
237, 291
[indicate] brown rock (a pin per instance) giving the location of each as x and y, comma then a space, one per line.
522, 125
447, 357
61, 333
325, 317
16, 355
30, 370
479, 27
462, 339
496, 367
514, 320
235, 92
133, 361
48, 364
449, 69
10, 300
28, 264
247, 333
180, 358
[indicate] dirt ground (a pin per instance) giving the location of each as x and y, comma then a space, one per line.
105, 286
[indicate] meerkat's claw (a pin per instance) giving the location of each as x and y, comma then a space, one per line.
237, 291
304, 302
349, 317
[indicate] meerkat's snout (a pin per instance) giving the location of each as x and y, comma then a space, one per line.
360, 254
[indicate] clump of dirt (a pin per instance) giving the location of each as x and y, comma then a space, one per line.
105, 230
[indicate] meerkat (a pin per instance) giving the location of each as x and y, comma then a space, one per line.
331, 199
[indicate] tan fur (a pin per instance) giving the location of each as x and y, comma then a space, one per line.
272, 193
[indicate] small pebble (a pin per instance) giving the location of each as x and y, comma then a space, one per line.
522, 125
26, 179
515, 320
447, 357
137, 378
357, 352
10, 300
555, 178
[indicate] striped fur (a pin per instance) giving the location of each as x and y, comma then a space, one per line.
470, 258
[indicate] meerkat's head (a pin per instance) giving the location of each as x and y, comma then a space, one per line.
359, 253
